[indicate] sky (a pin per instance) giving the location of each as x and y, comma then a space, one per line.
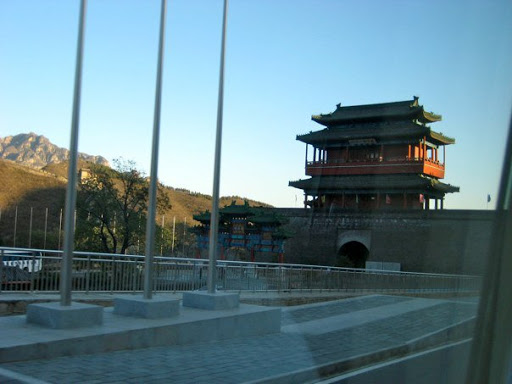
285, 61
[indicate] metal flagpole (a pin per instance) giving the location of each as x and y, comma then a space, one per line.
15, 226
67, 257
173, 233
162, 237
30, 228
60, 228
214, 219
150, 226
184, 234
45, 227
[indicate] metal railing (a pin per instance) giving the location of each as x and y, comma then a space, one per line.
106, 272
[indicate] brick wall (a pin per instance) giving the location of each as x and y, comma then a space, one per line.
448, 241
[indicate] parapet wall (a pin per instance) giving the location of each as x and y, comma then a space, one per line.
444, 241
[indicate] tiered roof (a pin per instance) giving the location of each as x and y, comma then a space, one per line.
400, 110
385, 132
257, 215
370, 183
386, 123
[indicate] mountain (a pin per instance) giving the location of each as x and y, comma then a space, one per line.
32, 198
36, 151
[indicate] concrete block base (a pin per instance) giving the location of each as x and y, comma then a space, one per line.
156, 308
53, 315
21, 342
212, 301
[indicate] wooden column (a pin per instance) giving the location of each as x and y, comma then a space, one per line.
409, 156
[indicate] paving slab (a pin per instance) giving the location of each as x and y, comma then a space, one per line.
353, 319
286, 357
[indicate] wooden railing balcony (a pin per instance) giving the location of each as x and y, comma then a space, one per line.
376, 167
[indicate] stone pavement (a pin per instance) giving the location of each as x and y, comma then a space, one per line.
316, 340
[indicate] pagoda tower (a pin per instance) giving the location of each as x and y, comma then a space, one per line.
376, 156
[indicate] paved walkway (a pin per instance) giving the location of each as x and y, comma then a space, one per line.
312, 336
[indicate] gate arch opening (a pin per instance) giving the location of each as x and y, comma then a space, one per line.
237, 254
354, 254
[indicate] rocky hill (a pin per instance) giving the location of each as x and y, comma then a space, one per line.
37, 151
34, 198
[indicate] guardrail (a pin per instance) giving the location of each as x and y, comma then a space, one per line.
105, 272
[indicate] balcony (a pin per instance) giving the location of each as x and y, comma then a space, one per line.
376, 167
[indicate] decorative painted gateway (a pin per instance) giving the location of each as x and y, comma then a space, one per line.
245, 231
376, 156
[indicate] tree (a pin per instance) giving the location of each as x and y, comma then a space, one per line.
111, 207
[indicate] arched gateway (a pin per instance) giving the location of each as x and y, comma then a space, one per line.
353, 248
355, 252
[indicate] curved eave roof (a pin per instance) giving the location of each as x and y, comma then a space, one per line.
430, 117
203, 217
236, 209
442, 139
268, 219
409, 109
372, 182
406, 130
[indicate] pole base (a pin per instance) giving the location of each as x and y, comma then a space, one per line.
211, 301
56, 316
159, 308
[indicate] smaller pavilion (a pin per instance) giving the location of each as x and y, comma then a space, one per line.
257, 230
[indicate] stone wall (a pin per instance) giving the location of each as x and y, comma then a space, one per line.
447, 241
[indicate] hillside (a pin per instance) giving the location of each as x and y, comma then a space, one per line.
61, 169
25, 189
186, 204
21, 180
26, 186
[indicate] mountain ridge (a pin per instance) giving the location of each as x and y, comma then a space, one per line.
37, 151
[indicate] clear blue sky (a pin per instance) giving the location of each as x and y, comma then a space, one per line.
286, 60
